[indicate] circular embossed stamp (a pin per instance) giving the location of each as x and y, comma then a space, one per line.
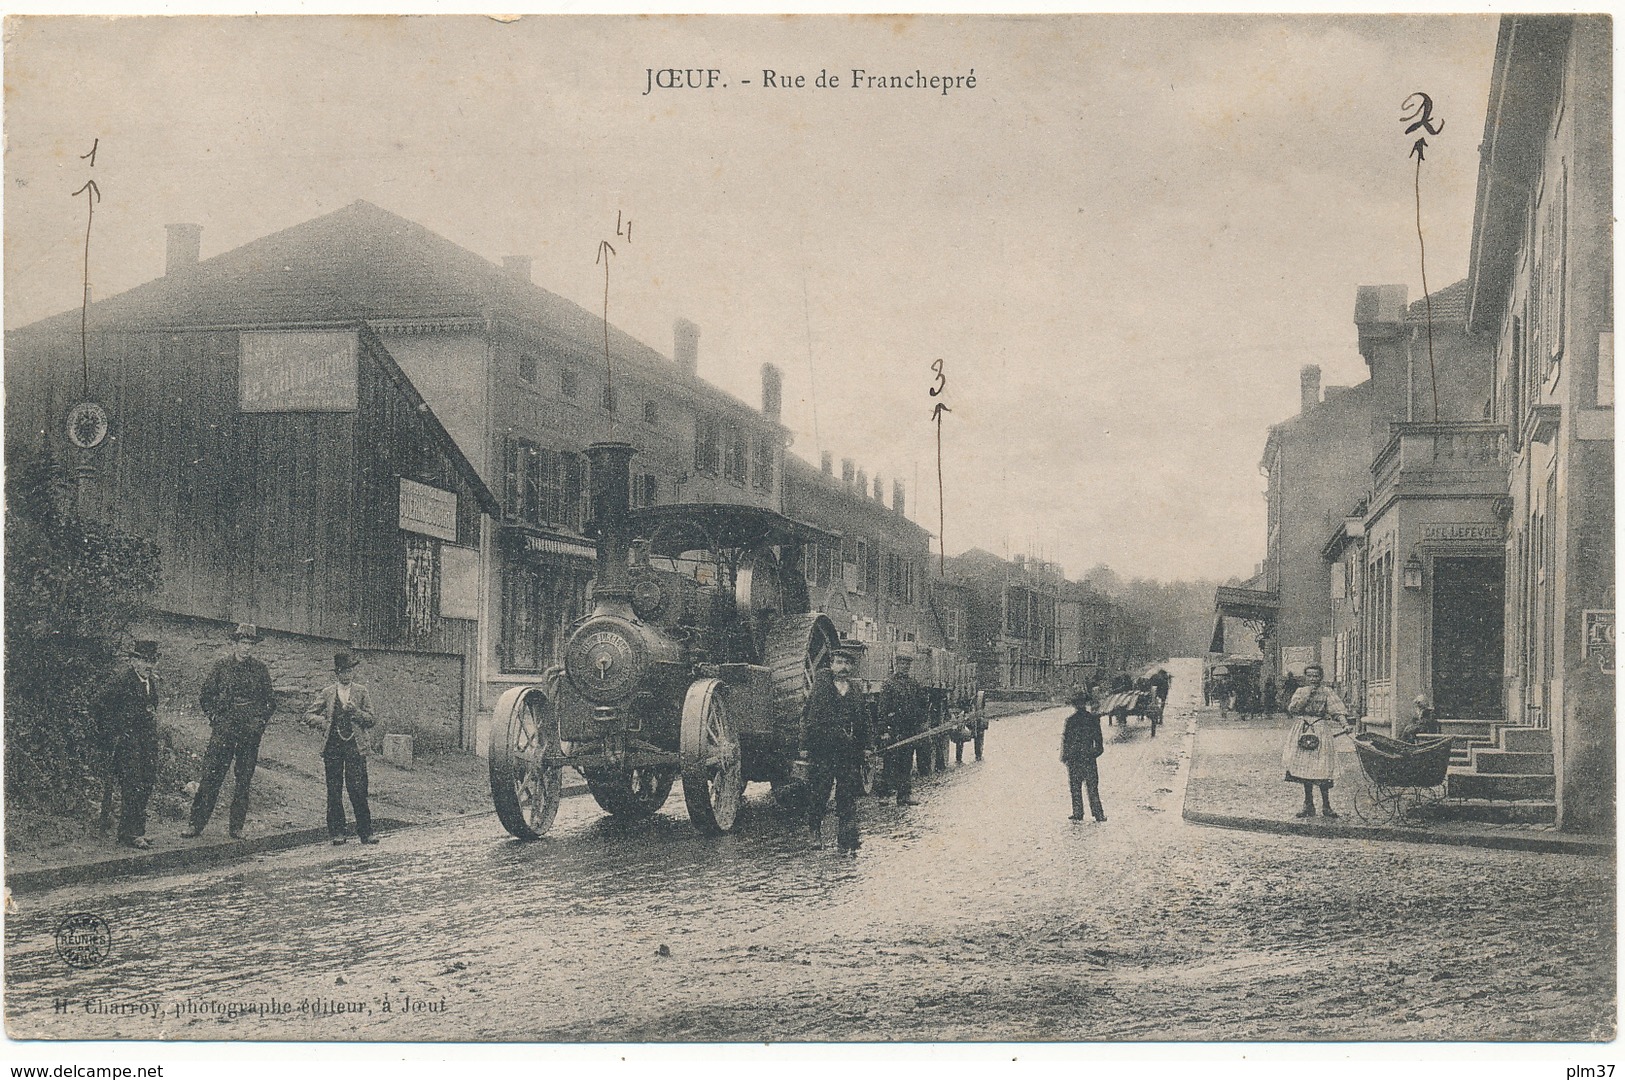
83, 940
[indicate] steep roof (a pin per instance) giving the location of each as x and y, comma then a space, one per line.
359, 263
1449, 306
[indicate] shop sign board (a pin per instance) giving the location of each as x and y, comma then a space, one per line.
1447, 532
297, 371
428, 510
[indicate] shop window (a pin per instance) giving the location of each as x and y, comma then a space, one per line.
540, 600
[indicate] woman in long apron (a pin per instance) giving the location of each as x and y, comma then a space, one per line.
1309, 756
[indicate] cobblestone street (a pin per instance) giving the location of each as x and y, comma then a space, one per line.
983, 914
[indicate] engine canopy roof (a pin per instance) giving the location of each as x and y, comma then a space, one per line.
674, 528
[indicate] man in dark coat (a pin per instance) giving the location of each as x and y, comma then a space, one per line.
345, 710
837, 736
238, 700
1081, 744
902, 713
127, 709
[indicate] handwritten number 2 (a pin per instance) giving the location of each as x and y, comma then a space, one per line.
1421, 111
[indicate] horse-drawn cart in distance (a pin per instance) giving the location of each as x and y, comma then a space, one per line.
696, 661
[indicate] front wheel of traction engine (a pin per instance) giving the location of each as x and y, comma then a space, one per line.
527, 777
713, 772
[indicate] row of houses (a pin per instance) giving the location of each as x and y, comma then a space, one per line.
355, 433
1445, 529
1030, 629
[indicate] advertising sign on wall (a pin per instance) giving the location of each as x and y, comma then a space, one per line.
297, 371
428, 510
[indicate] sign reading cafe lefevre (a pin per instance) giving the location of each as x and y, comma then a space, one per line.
297, 371
428, 510
1464, 531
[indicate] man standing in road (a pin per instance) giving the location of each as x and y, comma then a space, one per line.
238, 701
1081, 744
127, 709
345, 708
837, 736
902, 714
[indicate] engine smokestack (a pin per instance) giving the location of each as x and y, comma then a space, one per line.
611, 494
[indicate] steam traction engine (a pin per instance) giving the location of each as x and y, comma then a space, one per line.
695, 661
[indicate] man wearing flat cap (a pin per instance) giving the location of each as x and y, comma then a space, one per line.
238, 700
128, 711
344, 708
837, 736
902, 714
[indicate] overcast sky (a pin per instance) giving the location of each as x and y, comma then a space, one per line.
1123, 242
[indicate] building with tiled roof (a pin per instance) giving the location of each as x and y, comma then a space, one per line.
514, 377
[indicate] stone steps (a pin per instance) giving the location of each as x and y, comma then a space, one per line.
1494, 811
1505, 787
1504, 762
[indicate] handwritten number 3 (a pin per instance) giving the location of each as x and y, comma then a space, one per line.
942, 380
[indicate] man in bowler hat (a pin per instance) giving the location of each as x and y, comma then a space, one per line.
837, 736
128, 711
348, 714
238, 700
1081, 744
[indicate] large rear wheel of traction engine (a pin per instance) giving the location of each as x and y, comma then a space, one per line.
527, 777
713, 774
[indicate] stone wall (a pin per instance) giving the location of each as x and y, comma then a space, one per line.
413, 693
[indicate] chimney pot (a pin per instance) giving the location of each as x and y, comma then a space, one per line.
897, 495
1309, 387
518, 266
880, 490
863, 483
847, 471
686, 346
826, 463
772, 391
182, 244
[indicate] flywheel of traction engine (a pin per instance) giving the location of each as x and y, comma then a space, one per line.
797, 646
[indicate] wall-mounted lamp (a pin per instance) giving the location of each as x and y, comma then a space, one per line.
1411, 573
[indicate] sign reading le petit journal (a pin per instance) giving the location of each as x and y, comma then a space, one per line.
297, 371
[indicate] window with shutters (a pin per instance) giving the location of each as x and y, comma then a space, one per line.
542, 487
707, 444
871, 570
761, 475
733, 463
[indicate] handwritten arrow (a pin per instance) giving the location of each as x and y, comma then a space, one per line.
605, 251
1421, 113
93, 195
942, 513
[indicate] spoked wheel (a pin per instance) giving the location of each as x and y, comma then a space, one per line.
1375, 804
713, 776
633, 793
526, 755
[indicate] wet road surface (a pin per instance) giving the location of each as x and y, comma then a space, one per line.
983, 914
